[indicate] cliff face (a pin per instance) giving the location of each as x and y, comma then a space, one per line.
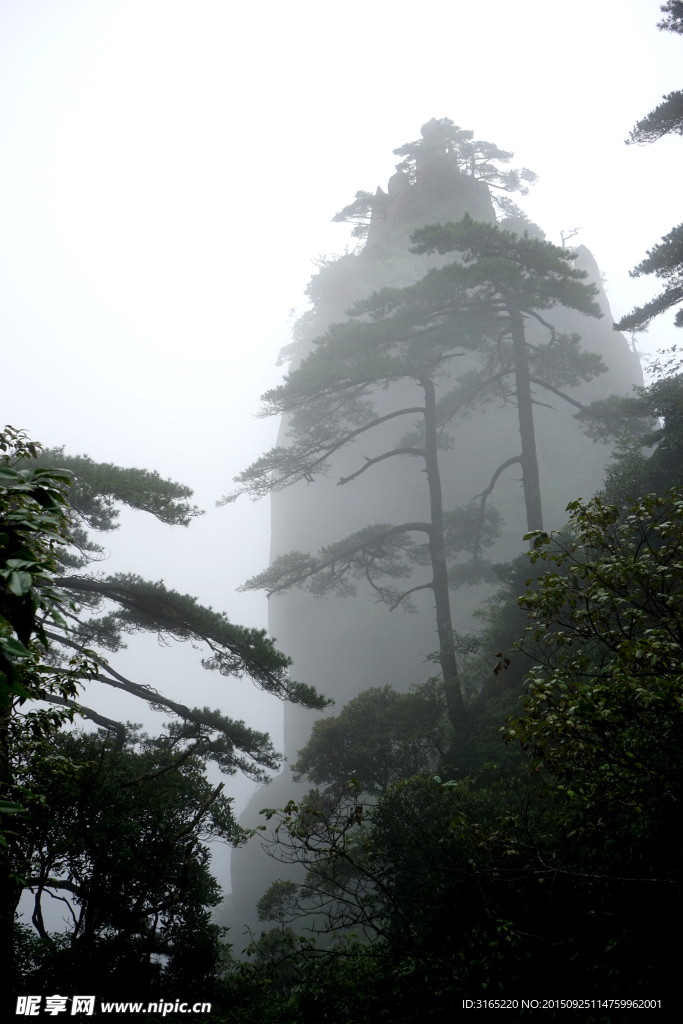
343, 646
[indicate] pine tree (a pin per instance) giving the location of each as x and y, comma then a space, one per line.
413, 335
507, 279
51, 642
664, 260
444, 147
94, 493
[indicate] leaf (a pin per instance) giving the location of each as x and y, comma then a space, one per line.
19, 583
7, 807
14, 647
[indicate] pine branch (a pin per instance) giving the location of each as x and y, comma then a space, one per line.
282, 467
561, 394
665, 119
484, 495
95, 487
407, 593
380, 458
235, 650
255, 745
296, 569
94, 716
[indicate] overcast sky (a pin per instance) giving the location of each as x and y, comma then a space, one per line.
168, 170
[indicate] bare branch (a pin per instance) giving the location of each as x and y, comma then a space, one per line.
198, 816
543, 405
471, 393
537, 316
484, 495
368, 426
423, 586
561, 394
380, 458
106, 723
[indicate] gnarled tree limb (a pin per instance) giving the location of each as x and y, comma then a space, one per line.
106, 723
380, 458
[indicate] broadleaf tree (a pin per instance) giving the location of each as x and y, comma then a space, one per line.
130, 868
34, 527
567, 865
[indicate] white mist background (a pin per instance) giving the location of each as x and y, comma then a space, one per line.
168, 170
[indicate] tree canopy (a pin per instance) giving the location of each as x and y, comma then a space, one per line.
131, 868
443, 141
603, 707
378, 737
561, 871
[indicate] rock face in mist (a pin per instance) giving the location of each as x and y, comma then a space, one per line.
343, 646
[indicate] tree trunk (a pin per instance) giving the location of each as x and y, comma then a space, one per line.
10, 887
444, 624
525, 411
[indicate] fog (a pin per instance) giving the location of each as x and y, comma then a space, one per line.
168, 171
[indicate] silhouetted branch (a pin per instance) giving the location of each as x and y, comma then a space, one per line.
484, 495
186, 829
52, 883
423, 586
561, 394
361, 430
380, 458
106, 723
296, 575
168, 768
121, 683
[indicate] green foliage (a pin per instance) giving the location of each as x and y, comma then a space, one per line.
276, 956
143, 606
378, 737
415, 331
380, 552
665, 119
96, 488
537, 273
127, 603
123, 843
78, 831
357, 213
664, 260
467, 887
562, 866
476, 304
651, 418
33, 524
673, 22
603, 710
276, 903
443, 143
